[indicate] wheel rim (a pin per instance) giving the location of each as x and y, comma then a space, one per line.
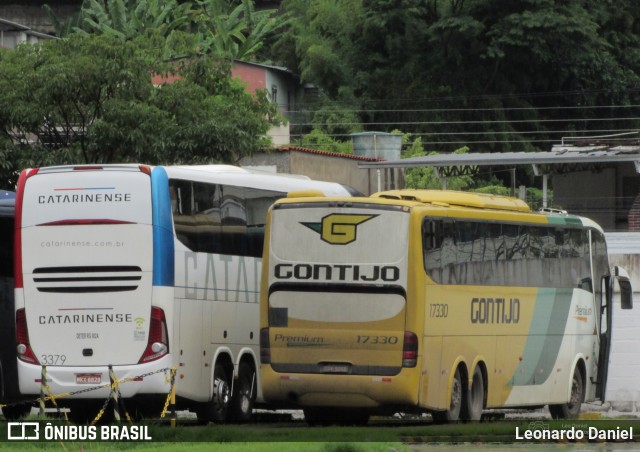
245, 401
222, 391
476, 396
576, 392
456, 394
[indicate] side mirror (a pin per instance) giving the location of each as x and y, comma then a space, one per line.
626, 292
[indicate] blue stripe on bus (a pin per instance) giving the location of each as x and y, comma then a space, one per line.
163, 246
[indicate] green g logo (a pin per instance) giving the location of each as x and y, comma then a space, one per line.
339, 228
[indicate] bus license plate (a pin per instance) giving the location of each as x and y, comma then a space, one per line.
88, 379
335, 368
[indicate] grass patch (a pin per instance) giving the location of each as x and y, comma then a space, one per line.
294, 436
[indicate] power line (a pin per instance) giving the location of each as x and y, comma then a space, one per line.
499, 121
507, 96
459, 142
322, 145
445, 110
517, 96
573, 133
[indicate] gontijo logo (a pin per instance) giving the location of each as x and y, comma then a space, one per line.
339, 228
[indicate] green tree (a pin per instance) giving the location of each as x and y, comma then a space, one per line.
484, 71
128, 19
426, 178
226, 28
234, 28
90, 100
317, 139
168, 20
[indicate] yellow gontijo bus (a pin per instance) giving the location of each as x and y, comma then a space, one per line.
433, 301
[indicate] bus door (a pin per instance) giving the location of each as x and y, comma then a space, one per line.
606, 322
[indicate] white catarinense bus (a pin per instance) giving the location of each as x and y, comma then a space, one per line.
144, 268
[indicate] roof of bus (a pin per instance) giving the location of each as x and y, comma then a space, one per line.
458, 198
455, 203
230, 175
224, 174
211, 168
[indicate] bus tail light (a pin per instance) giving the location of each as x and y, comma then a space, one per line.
25, 353
158, 343
265, 348
410, 349
87, 168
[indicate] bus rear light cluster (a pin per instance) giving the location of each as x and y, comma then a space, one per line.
25, 353
158, 343
410, 349
265, 348
87, 168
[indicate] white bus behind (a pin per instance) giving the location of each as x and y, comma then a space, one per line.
141, 269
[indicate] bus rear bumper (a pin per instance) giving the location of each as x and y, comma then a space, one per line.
357, 391
93, 382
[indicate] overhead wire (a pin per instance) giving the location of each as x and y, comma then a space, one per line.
435, 110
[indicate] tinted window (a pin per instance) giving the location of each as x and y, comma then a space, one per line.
489, 253
221, 219
6, 249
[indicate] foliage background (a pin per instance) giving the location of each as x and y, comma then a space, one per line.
485, 75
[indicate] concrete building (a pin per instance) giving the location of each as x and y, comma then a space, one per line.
320, 165
284, 89
596, 178
31, 13
13, 34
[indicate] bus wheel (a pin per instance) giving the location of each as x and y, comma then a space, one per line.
335, 416
83, 412
455, 404
16, 412
351, 416
318, 416
216, 409
475, 398
244, 394
571, 409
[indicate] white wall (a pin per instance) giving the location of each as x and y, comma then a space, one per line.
623, 385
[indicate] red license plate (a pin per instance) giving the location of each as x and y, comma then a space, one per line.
88, 379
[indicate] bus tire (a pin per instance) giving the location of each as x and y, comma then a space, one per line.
315, 416
325, 416
571, 409
458, 396
16, 412
474, 404
217, 408
352, 417
244, 396
82, 412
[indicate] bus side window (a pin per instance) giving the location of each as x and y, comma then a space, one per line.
585, 284
431, 240
448, 248
180, 193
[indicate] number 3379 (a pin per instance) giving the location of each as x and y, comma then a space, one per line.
52, 360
